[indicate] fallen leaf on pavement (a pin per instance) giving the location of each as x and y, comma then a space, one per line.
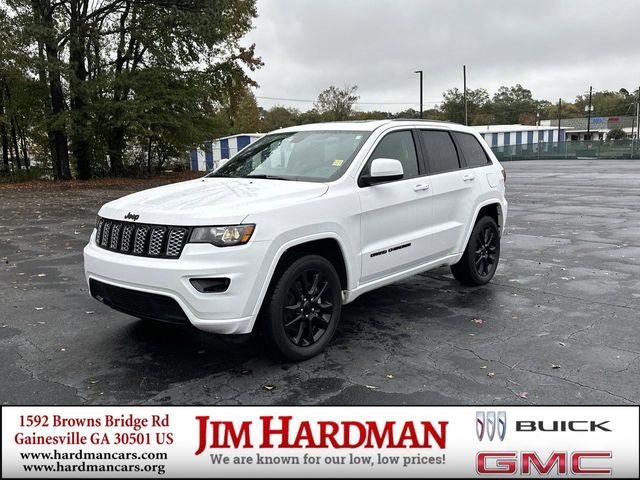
491, 374
523, 395
389, 376
478, 321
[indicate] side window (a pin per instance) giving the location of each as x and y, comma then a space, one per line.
474, 154
440, 150
399, 146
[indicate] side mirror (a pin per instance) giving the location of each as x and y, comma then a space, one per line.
383, 170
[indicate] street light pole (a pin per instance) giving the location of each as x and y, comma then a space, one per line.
464, 79
420, 72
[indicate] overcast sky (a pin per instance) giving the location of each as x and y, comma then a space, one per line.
556, 48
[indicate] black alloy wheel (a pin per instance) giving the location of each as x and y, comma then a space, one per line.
486, 251
308, 311
480, 258
303, 307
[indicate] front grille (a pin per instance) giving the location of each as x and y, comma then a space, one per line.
158, 241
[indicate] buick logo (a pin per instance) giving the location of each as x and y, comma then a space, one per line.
491, 423
131, 216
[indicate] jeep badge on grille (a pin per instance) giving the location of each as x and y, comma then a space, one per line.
131, 216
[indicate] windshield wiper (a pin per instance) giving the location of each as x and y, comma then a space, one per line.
269, 177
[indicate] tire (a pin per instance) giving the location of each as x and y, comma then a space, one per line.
480, 259
303, 308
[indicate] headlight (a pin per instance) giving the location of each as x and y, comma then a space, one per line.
223, 236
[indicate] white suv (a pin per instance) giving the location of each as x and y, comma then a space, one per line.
298, 224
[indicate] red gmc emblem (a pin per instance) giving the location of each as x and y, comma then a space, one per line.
510, 463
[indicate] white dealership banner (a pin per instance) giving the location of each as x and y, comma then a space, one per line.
391, 441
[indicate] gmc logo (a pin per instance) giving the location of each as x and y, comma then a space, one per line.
510, 463
561, 426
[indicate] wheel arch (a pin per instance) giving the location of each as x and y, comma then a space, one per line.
491, 207
493, 210
328, 245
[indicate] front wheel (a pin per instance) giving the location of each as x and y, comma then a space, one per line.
304, 308
480, 259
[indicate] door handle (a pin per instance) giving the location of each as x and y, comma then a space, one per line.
469, 178
420, 186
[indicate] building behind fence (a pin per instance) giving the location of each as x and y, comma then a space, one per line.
508, 142
213, 154
547, 141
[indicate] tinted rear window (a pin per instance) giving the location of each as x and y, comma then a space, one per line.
473, 153
440, 150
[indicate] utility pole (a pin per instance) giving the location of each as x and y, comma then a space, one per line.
637, 124
464, 80
420, 72
638, 115
589, 115
559, 120
633, 128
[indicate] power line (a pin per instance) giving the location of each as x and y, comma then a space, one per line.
359, 103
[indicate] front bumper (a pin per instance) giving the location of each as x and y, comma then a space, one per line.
232, 311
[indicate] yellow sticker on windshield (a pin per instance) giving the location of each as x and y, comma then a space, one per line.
337, 163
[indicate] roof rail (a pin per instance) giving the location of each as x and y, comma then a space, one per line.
429, 120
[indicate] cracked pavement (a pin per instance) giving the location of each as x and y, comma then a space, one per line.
566, 294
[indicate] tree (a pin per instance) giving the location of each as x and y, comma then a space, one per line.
616, 134
239, 113
569, 110
607, 103
247, 115
371, 115
89, 55
21, 98
41, 20
335, 103
511, 104
477, 104
279, 117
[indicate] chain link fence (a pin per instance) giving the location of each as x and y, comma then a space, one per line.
613, 149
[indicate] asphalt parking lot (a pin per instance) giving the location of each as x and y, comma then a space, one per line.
559, 324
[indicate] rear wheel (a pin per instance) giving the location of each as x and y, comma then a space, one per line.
480, 259
304, 308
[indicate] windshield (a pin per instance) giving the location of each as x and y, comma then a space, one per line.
315, 156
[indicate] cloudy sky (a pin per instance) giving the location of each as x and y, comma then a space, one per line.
556, 48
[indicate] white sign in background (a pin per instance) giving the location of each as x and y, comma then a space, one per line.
165, 441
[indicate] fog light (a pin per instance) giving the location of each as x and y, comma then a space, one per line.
210, 285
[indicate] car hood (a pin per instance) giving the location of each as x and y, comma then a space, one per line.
210, 200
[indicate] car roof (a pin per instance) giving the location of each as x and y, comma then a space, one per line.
371, 125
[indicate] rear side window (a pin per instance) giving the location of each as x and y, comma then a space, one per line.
473, 153
399, 146
440, 151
